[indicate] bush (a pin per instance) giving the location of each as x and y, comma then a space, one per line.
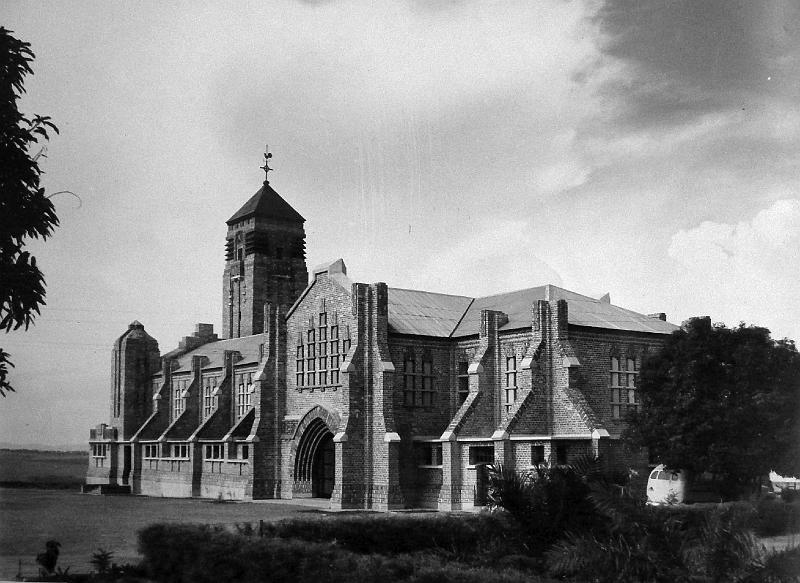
183, 553
774, 517
781, 567
606, 534
644, 544
470, 538
548, 502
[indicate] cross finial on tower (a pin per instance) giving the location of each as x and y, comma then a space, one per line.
266, 167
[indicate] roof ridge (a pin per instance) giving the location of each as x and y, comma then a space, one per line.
422, 291
524, 289
596, 300
453, 331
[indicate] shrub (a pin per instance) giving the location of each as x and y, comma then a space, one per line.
790, 495
781, 567
547, 502
183, 553
604, 533
101, 560
645, 544
471, 538
774, 517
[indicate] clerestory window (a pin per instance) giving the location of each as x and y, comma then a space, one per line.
511, 383
624, 397
463, 381
418, 381
178, 402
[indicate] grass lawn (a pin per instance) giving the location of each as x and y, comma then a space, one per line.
47, 469
82, 523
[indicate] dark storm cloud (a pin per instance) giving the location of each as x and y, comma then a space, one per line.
690, 57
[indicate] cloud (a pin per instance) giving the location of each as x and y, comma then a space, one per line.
679, 60
490, 261
746, 270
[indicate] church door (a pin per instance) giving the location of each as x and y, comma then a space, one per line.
324, 468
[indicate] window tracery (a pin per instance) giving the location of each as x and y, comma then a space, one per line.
320, 351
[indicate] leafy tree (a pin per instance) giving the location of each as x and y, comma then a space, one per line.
25, 211
723, 400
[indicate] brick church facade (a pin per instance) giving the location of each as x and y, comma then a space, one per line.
371, 396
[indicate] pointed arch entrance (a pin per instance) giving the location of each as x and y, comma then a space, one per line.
314, 462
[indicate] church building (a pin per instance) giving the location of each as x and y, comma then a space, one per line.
372, 396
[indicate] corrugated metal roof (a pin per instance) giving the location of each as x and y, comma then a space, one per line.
425, 313
431, 314
247, 346
516, 305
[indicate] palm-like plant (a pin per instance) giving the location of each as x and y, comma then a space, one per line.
101, 560
590, 528
547, 501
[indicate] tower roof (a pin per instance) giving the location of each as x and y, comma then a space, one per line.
266, 203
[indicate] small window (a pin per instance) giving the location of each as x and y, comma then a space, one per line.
245, 452
409, 379
481, 454
537, 454
463, 381
561, 454
511, 383
431, 454
335, 369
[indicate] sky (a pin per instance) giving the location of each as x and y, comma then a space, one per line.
648, 149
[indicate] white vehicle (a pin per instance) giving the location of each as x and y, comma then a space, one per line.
779, 483
666, 486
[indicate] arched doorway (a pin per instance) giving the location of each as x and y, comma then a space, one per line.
323, 468
314, 462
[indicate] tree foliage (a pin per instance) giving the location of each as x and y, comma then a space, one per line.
25, 210
723, 400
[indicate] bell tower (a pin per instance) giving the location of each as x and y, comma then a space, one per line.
265, 260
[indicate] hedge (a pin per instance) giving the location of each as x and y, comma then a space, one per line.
483, 536
184, 553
